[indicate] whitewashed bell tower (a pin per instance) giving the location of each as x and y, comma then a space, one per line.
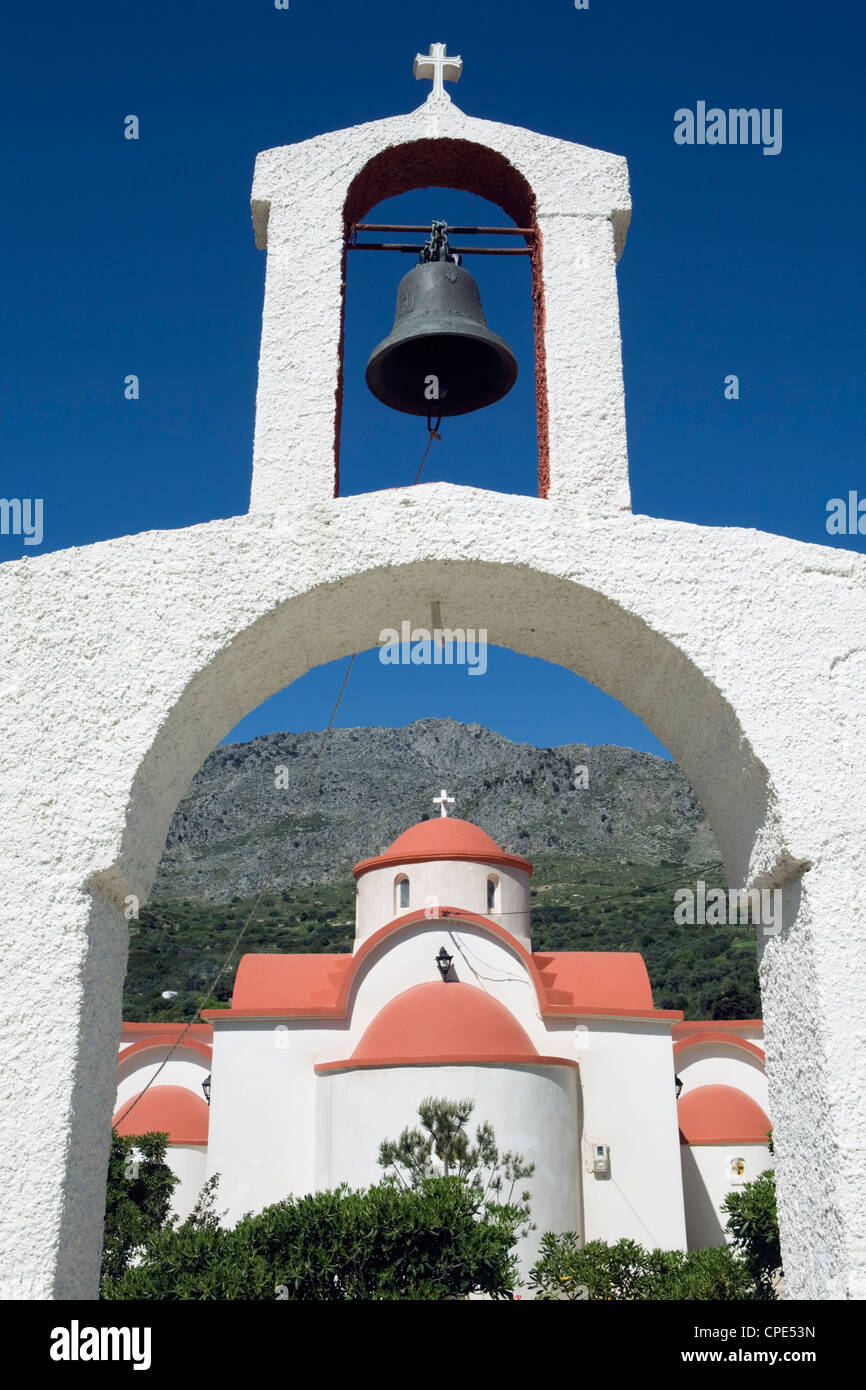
575, 204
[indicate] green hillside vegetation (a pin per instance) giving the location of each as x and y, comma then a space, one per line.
577, 905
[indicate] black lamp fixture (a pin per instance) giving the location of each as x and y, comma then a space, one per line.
443, 961
678, 1086
205, 1085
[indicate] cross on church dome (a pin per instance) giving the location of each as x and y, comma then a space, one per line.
440, 68
443, 801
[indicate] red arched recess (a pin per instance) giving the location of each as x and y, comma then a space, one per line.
717, 1037
148, 1045
473, 168
145, 1037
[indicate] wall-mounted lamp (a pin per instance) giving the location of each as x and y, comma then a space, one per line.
443, 960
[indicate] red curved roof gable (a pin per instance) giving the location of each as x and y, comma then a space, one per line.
443, 837
171, 1110
567, 983
720, 1115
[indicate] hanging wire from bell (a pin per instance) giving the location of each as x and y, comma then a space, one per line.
432, 433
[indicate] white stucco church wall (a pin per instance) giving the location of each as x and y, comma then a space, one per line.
707, 1180
744, 652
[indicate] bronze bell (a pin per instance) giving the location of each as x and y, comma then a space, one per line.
440, 358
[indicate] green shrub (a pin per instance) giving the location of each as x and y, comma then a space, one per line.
626, 1271
137, 1198
383, 1243
492, 1176
754, 1230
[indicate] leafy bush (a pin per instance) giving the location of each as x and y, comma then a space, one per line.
137, 1198
754, 1230
626, 1271
424, 1242
443, 1137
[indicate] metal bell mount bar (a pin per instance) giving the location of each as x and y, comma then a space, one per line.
406, 247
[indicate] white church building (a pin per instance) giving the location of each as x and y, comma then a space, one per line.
638, 1123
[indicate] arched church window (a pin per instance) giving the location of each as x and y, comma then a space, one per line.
401, 893
493, 893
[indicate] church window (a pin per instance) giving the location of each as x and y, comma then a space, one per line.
401, 893
493, 893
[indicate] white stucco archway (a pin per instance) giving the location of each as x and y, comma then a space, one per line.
122, 697
125, 663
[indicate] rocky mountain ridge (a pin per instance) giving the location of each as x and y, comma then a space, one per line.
282, 810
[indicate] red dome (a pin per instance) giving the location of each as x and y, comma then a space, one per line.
443, 1020
171, 1110
443, 837
441, 1024
721, 1115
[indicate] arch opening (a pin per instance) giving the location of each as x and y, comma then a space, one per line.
267, 652
560, 623
452, 165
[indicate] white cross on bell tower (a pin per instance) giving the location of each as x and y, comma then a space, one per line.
443, 801
440, 68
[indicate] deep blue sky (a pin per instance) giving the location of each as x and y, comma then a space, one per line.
122, 256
